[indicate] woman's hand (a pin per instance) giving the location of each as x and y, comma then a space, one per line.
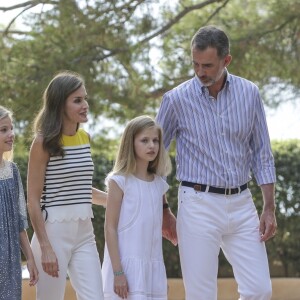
49, 262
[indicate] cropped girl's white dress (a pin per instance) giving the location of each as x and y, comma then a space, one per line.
140, 240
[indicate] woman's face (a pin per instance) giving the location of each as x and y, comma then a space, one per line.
76, 107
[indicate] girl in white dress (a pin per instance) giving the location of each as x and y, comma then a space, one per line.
133, 266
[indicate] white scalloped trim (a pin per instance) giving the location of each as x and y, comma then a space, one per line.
69, 213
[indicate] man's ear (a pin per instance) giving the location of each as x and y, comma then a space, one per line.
227, 60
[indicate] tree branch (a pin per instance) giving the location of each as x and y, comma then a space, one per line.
27, 3
172, 22
261, 34
20, 32
216, 11
5, 32
13, 7
179, 16
131, 5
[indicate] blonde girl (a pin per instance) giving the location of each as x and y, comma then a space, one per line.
13, 218
133, 266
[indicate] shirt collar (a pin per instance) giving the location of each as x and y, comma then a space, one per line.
203, 88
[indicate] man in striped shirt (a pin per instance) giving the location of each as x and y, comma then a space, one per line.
221, 134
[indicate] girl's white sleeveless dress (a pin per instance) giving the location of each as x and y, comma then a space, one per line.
140, 240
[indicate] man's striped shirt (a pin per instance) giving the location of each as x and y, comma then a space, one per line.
218, 141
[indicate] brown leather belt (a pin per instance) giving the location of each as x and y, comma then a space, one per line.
212, 189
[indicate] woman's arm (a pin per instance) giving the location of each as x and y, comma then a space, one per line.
112, 215
38, 160
99, 197
25, 246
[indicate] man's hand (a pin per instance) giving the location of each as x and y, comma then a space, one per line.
169, 226
268, 224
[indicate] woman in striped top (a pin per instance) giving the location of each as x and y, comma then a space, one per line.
60, 193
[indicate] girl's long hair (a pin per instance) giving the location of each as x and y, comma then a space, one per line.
126, 163
49, 121
4, 112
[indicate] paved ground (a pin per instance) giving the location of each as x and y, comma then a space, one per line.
283, 289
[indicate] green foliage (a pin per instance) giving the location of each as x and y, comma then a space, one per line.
104, 147
90, 39
283, 249
102, 167
264, 39
171, 254
285, 246
112, 44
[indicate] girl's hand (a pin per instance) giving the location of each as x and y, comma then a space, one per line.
121, 286
33, 272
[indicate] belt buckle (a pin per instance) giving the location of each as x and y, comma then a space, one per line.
197, 187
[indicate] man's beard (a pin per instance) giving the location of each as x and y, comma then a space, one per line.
208, 82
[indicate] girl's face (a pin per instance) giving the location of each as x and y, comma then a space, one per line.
6, 135
146, 145
76, 107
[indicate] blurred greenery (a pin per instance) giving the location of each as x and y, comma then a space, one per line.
131, 52
283, 249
